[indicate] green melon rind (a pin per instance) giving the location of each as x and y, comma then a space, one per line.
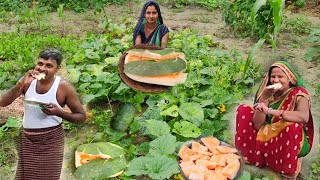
123, 118
154, 68
161, 52
106, 148
100, 168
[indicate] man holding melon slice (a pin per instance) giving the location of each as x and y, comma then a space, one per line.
41, 142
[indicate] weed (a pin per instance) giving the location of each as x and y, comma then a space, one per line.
297, 25
200, 18
314, 52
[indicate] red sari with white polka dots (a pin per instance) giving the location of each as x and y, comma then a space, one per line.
276, 145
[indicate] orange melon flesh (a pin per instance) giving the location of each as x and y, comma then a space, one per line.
226, 149
82, 158
211, 143
185, 153
231, 157
137, 56
194, 169
199, 156
197, 147
220, 162
219, 159
207, 163
212, 175
231, 169
166, 80
194, 176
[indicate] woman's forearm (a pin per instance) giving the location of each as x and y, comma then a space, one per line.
292, 116
259, 118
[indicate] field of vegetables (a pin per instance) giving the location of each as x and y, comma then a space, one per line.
227, 53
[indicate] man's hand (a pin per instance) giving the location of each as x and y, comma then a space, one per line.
51, 109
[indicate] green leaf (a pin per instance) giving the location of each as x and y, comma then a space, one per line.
257, 5
153, 112
192, 112
212, 112
245, 176
156, 167
100, 168
157, 128
122, 89
163, 145
186, 129
13, 122
161, 167
171, 111
137, 166
253, 50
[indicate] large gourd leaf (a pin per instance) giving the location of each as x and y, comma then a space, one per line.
154, 68
156, 167
164, 145
100, 168
192, 112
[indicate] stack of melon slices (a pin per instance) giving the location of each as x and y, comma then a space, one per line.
161, 67
209, 160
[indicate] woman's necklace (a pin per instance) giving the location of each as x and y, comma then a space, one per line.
274, 100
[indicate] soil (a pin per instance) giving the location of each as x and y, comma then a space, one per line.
206, 22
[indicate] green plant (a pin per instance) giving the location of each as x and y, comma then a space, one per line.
19, 52
315, 172
297, 25
8, 136
208, 4
314, 52
265, 18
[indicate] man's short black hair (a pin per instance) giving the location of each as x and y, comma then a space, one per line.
51, 53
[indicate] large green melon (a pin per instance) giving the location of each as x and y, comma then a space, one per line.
123, 118
154, 68
101, 169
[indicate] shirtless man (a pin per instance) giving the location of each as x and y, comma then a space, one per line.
41, 142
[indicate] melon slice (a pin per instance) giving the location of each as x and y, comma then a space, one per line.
231, 157
154, 68
226, 149
231, 169
207, 163
185, 153
219, 159
199, 156
275, 86
165, 80
161, 67
210, 142
40, 76
197, 147
194, 169
158, 55
213, 175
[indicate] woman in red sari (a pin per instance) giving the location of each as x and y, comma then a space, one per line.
278, 129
